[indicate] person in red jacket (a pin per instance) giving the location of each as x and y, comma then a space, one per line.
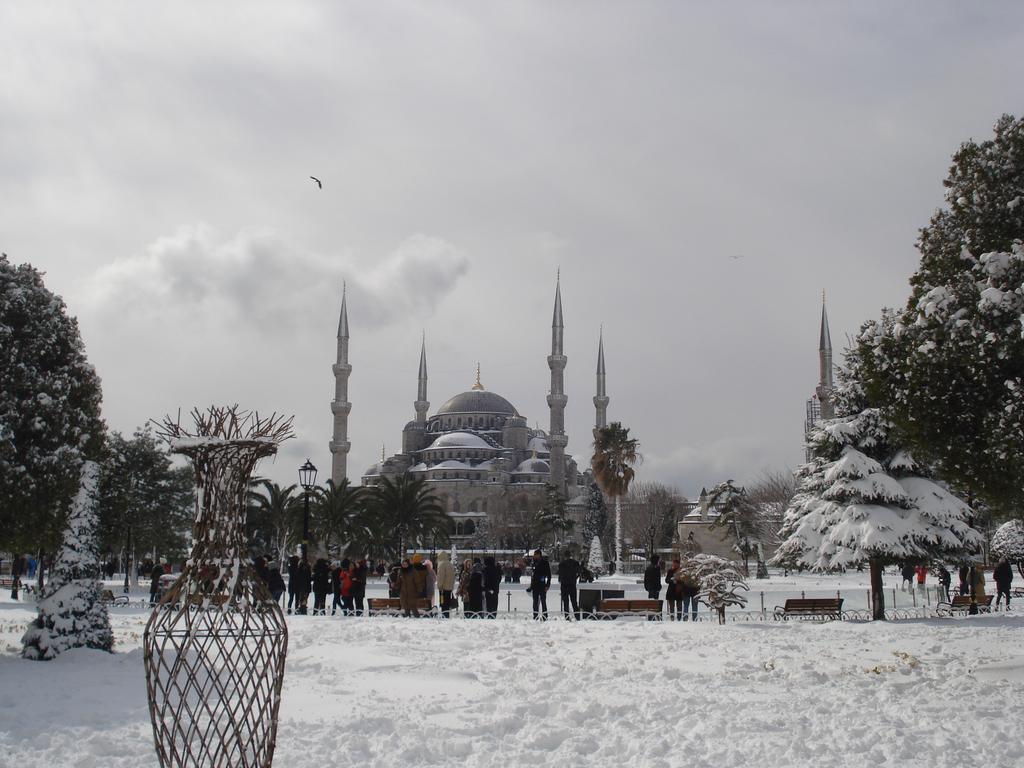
346, 574
922, 572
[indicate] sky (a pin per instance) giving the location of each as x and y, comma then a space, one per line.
155, 162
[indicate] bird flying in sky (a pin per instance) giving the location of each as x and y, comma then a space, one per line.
319, 183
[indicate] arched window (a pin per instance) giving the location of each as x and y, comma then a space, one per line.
469, 527
456, 507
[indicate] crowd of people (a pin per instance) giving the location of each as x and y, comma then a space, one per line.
971, 580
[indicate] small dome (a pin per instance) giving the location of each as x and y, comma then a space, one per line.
451, 464
533, 467
460, 440
374, 469
538, 444
478, 401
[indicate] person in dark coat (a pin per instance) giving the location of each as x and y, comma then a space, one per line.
652, 580
945, 578
1003, 575
569, 571
907, 572
293, 580
476, 590
492, 587
321, 586
336, 589
359, 577
275, 583
539, 583
689, 587
303, 580
674, 590
154, 585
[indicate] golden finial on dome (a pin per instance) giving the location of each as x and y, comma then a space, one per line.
478, 385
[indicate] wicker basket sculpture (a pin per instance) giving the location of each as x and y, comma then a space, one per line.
215, 645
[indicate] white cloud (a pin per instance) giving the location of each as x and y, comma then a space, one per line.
257, 278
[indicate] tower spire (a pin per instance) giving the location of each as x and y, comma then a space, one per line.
477, 384
557, 399
340, 406
826, 384
422, 405
601, 398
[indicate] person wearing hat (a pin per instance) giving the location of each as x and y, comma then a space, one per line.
413, 585
539, 583
445, 582
154, 585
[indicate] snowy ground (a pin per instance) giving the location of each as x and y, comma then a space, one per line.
384, 692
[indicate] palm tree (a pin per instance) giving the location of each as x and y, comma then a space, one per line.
409, 511
273, 516
338, 514
614, 456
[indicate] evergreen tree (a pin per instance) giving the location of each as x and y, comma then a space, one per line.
71, 613
865, 499
49, 410
595, 519
146, 503
738, 519
950, 369
595, 564
1008, 543
552, 520
405, 511
339, 518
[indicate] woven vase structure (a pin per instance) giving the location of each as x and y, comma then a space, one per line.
215, 645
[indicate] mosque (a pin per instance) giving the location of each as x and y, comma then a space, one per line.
477, 452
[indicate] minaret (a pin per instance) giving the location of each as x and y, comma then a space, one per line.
557, 399
340, 406
826, 386
422, 405
601, 398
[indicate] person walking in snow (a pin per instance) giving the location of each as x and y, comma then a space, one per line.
275, 583
690, 590
303, 579
336, 589
321, 586
409, 589
652, 580
347, 577
674, 590
154, 584
945, 578
431, 584
476, 590
965, 577
977, 582
908, 577
921, 572
445, 583
293, 580
492, 587
1003, 576
360, 573
539, 583
568, 581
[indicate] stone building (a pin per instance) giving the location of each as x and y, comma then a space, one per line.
479, 454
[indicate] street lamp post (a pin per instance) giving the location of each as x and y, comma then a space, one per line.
307, 479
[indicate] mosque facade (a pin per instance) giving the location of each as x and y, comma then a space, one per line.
479, 455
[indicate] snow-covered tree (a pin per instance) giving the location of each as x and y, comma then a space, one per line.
864, 498
71, 613
720, 582
1008, 543
595, 563
739, 520
595, 519
951, 371
49, 410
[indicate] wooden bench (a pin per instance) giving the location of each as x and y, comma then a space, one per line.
108, 597
963, 603
811, 608
392, 606
6, 582
615, 607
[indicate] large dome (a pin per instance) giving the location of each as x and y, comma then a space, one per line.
460, 440
478, 401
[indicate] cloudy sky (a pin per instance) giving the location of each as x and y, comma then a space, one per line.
154, 161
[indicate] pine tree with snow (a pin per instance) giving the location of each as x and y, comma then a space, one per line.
865, 499
71, 612
1008, 543
595, 519
49, 410
950, 372
595, 563
739, 520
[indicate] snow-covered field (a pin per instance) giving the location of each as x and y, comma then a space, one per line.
388, 692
